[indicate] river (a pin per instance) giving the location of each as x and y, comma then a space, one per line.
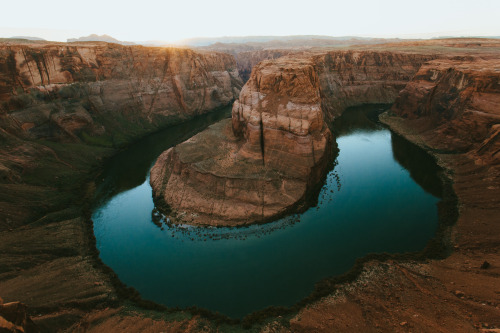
370, 203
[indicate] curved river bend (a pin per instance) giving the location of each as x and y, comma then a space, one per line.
369, 203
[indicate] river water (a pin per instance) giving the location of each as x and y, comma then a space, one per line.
380, 196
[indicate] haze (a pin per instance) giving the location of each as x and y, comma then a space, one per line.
132, 20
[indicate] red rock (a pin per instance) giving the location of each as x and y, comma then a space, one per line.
459, 100
258, 166
69, 86
280, 143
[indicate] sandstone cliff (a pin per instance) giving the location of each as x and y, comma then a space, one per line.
63, 109
247, 60
99, 95
280, 144
262, 164
350, 78
91, 91
459, 100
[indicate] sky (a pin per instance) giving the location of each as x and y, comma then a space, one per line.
142, 20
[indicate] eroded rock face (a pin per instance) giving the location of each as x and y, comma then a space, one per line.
262, 163
58, 91
351, 78
246, 61
279, 116
459, 100
276, 149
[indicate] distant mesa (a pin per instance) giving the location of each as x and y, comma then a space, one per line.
27, 38
99, 38
271, 40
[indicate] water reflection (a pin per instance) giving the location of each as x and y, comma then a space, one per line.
422, 166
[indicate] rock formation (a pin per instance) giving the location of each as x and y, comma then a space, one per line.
276, 149
350, 78
247, 60
76, 92
261, 164
459, 99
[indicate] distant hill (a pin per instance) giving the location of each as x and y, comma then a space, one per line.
290, 43
97, 38
154, 43
27, 38
452, 37
296, 39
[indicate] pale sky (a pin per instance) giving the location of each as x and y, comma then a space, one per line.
141, 20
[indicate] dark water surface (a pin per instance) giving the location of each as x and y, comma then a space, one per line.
370, 202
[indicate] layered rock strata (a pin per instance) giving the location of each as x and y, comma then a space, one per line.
451, 109
246, 61
100, 95
259, 165
459, 100
277, 147
77, 91
351, 78
63, 109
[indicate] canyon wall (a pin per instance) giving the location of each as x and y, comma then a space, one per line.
459, 99
274, 153
100, 96
351, 78
247, 60
95, 91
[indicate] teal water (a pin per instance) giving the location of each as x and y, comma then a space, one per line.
370, 203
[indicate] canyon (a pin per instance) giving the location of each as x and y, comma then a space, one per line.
270, 158
450, 108
64, 109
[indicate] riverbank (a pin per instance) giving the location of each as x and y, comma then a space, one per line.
458, 292
51, 263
